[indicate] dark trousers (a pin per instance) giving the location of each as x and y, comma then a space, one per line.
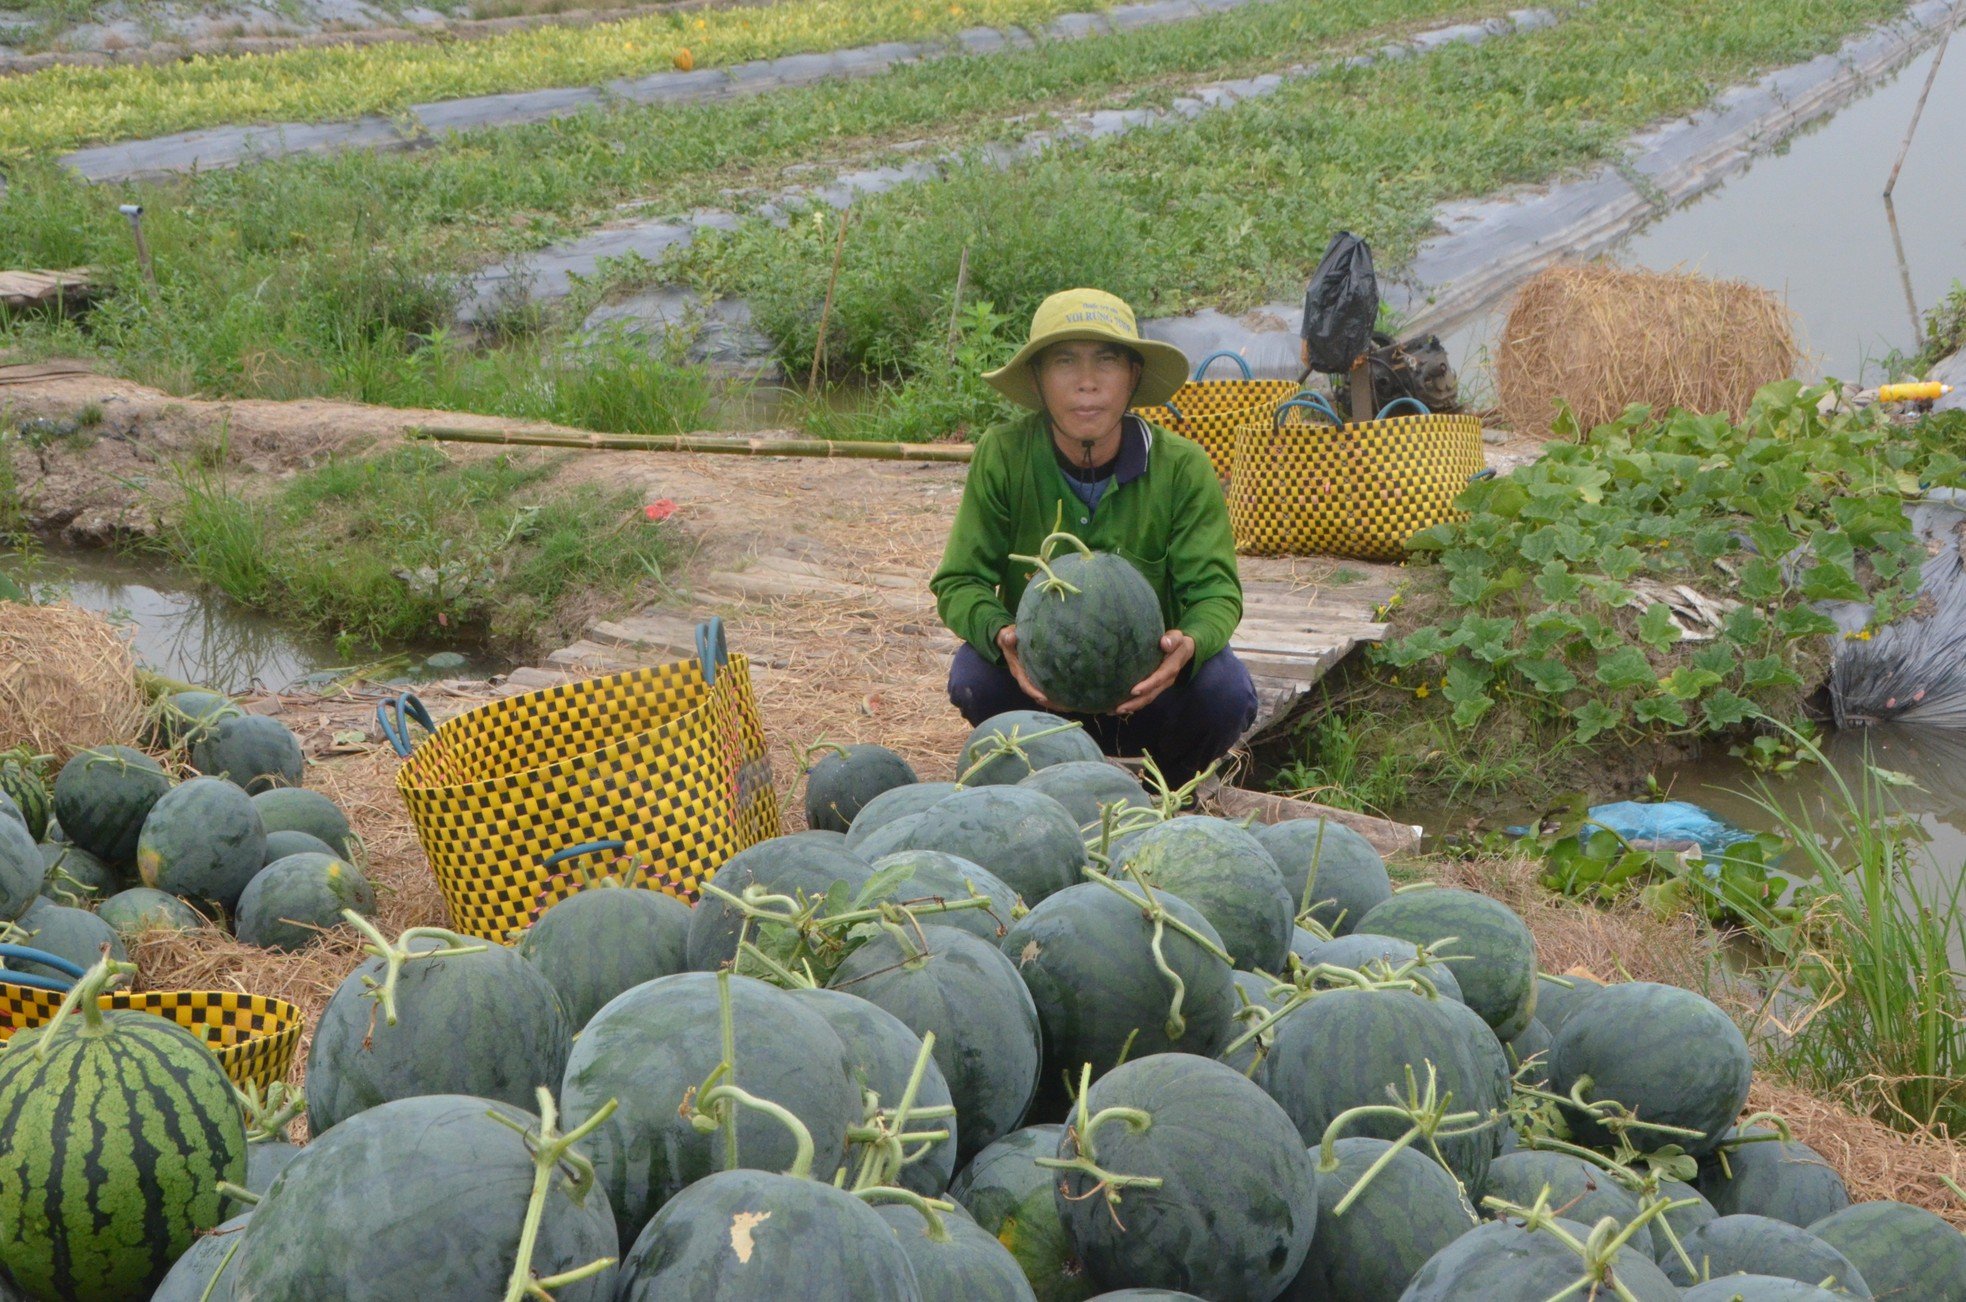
1186, 728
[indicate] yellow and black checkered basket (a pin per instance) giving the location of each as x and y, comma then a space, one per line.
1209, 411
254, 1036
669, 761
1322, 487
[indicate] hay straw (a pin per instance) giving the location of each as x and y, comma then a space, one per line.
1600, 338
67, 681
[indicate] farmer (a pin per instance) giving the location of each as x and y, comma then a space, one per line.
1125, 486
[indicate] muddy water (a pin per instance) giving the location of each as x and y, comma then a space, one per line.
190, 633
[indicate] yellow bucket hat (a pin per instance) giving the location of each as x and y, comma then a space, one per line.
1076, 314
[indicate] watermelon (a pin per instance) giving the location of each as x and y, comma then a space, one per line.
1584, 1191
1237, 1201
1559, 996
26, 792
651, 1046
142, 908
203, 840
1089, 630
1759, 1288
932, 875
880, 1054
74, 934
102, 797
1147, 1295
1411, 1209
291, 902
281, 844
420, 1198
753, 1236
483, 1023
265, 1159
1902, 1251
815, 836
594, 945
1230, 879
1009, 747
1330, 871
1254, 1002
1362, 950
961, 988
896, 803
75, 877
1784, 1179
844, 780
1086, 787
784, 865
891, 838
1759, 1245
954, 1260
22, 870
1024, 837
1666, 1054
1087, 956
182, 717
120, 1126
205, 1265
296, 809
1504, 1260
1493, 954
1009, 1196
250, 750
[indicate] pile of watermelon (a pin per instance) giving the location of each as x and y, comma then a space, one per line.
1035, 1035
115, 845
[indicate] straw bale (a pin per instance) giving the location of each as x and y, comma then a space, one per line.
1600, 338
67, 681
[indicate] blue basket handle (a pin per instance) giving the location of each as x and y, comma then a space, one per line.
1480, 475
559, 857
1412, 402
1311, 401
1237, 358
397, 729
29, 955
1176, 410
712, 648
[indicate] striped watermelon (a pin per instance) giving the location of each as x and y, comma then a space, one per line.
119, 1127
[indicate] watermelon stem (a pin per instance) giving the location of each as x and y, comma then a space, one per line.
86, 995
930, 1209
1012, 742
269, 1112
1598, 1251
886, 1154
1104, 1182
1609, 1113
730, 1094
1157, 913
394, 955
549, 1149
806, 753
238, 1193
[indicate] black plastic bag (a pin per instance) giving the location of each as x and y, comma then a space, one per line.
1417, 368
1340, 306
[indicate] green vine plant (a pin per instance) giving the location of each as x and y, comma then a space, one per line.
1597, 1252
1427, 1112
885, 1136
399, 952
551, 1151
1080, 1136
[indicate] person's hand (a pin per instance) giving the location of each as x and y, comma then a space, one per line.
1007, 643
1180, 649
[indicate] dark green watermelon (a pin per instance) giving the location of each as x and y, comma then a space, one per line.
1228, 876
75, 877
142, 908
1788, 1181
956, 1261
1330, 871
1088, 627
1363, 951
182, 717
988, 761
1493, 954
1147, 1295
1759, 1288
897, 803
880, 1055
1902, 1251
1586, 1193
594, 945
419, 1198
74, 934
203, 840
289, 903
281, 844
1503, 1262
1085, 787
22, 870
484, 1023
252, 751
103, 795
933, 876
1667, 1054
786, 866
1411, 1209
296, 809
204, 1272
961, 988
1010, 1196
265, 1159
1086, 955
754, 1236
1559, 996
1024, 837
1237, 1204
846, 778
896, 836
1759, 1245
651, 1046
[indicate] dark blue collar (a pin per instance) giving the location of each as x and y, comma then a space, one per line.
1136, 441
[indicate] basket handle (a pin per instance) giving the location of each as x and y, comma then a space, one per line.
1412, 402
712, 648
397, 729
1237, 358
1312, 401
43, 957
1480, 475
559, 857
1176, 410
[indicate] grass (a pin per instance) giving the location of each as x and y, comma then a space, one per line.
411, 544
1945, 328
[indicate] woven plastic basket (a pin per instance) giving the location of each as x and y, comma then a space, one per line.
1210, 411
669, 761
1323, 487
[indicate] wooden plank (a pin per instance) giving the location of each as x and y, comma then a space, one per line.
1387, 837
592, 655
765, 585
30, 289
671, 635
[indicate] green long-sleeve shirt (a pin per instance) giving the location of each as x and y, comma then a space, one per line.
1164, 512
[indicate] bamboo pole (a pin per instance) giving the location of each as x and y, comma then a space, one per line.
742, 447
1952, 21
826, 312
956, 305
